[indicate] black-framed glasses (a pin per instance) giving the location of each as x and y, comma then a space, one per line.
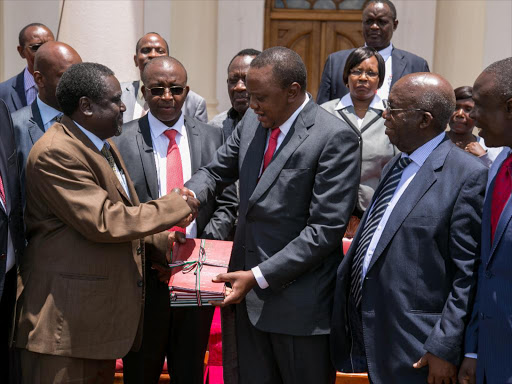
35, 47
175, 90
390, 110
358, 73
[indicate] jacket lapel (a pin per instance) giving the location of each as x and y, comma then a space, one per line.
349, 115
133, 200
145, 145
19, 98
397, 66
36, 127
424, 179
253, 158
194, 144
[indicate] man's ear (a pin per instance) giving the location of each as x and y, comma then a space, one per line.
20, 51
38, 78
426, 120
395, 25
508, 108
143, 90
85, 106
294, 90
185, 91
135, 60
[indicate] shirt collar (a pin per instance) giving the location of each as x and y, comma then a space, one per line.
140, 95
98, 143
47, 112
346, 101
285, 127
422, 153
28, 80
158, 128
386, 52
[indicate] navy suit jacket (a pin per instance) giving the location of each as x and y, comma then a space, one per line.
12, 91
11, 218
332, 86
490, 332
417, 292
28, 128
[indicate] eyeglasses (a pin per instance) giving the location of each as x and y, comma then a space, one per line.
175, 90
390, 110
358, 73
35, 47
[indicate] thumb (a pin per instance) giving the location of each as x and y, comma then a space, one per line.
222, 278
422, 362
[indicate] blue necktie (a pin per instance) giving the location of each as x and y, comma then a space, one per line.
372, 222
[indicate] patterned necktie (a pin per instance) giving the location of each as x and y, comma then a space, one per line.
108, 155
2, 191
271, 149
174, 169
373, 220
501, 193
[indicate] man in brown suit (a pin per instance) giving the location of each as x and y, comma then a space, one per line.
81, 281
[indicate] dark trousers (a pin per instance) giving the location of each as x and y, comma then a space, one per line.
272, 358
9, 358
180, 333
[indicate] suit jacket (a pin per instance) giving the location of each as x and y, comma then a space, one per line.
216, 219
12, 91
291, 222
332, 86
11, 219
28, 128
417, 292
81, 281
490, 332
194, 106
226, 120
375, 147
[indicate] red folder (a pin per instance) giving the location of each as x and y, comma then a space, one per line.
194, 265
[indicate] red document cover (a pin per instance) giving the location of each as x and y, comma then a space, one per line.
195, 264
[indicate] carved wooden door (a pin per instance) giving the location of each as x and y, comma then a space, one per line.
314, 29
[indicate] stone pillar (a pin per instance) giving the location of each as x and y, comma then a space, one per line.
498, 31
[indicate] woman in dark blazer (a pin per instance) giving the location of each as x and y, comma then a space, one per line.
362, 110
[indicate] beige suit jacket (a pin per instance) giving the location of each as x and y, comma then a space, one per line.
81, 280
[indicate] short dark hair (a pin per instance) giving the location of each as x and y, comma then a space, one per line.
465, 92
79, 80
21, 35
387, 2
287, 66
245, 52
151, 33
357, 56
158, 59
501, 71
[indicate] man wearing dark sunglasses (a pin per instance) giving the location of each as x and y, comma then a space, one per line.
21, 90
147, 146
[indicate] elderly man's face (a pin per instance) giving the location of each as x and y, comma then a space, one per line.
490, 113
378, 25
34, 38
267, 99
150, 46
237, 72
107, 113
165, 91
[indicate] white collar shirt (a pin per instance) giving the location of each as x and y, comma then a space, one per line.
386, 54
346, 101
49, 115
140, 107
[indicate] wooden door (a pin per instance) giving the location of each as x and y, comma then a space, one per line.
314, 29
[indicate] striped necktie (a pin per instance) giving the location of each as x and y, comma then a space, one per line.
373, 220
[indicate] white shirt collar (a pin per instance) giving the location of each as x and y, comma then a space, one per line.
386, 52
47, 112
346, 101
422, 153
285, 127
158, 128
98, 143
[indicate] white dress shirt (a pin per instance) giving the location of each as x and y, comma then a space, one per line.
49, 115
140, 103
383, 91
98, 143
418, 157
285, 127
160, 144
346, 101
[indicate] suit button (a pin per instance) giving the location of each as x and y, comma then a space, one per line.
3, 256
139, 250
488, 274
482, 316
140, 283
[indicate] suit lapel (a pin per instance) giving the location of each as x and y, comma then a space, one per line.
145, 145
369, 119
424, 179
349, 115
397, 66
194, 144
133, 200
19, 98
36, 127
254, 156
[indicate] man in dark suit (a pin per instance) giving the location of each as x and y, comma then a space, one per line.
148, 47
489, 335
298, 169
32, 121
379, 23
12, 241
21, 90
180, 333
81, 280
404, 290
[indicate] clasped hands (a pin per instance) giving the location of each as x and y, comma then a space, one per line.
192, 202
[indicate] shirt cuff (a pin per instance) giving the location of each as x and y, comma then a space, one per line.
471, 355
260, 279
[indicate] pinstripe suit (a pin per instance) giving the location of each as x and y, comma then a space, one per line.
490, 331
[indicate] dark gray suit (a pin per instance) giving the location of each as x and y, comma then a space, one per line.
194, 106
418, 290
332, 86
291, 223
12, 91
187, 329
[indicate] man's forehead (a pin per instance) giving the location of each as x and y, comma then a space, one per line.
377, 10
36, 31
152, 40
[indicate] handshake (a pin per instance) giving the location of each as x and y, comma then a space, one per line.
192, 202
